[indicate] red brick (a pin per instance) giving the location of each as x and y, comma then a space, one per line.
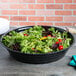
4, 1
27, 1
70, 18
18, 18
13, 23
36, 18
36, 6
45, 1
54, 18
54, 6
74, 1
63, 24
9, 1
4, 6
6, 17
70, 6
63, 1
13, 1
17, 6
74, 24
43, 12
26, 23
74, 12
44, 23
27, 12
9, 12
63, 12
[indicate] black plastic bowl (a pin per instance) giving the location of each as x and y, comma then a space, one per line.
37, 58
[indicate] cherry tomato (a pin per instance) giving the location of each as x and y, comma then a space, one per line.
60, 40
49, 35
57, 43
33, 48
25, 34
60, 47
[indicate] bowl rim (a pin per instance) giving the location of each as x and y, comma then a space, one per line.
27, 27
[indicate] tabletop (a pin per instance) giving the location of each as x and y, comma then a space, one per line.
11, 67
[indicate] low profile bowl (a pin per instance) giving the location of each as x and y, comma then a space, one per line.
37, 58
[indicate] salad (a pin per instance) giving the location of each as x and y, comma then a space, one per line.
37, 40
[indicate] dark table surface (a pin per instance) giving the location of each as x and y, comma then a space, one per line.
11, 67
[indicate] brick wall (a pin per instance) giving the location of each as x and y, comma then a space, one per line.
39, 12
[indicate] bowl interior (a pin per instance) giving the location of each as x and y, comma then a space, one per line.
21, 29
